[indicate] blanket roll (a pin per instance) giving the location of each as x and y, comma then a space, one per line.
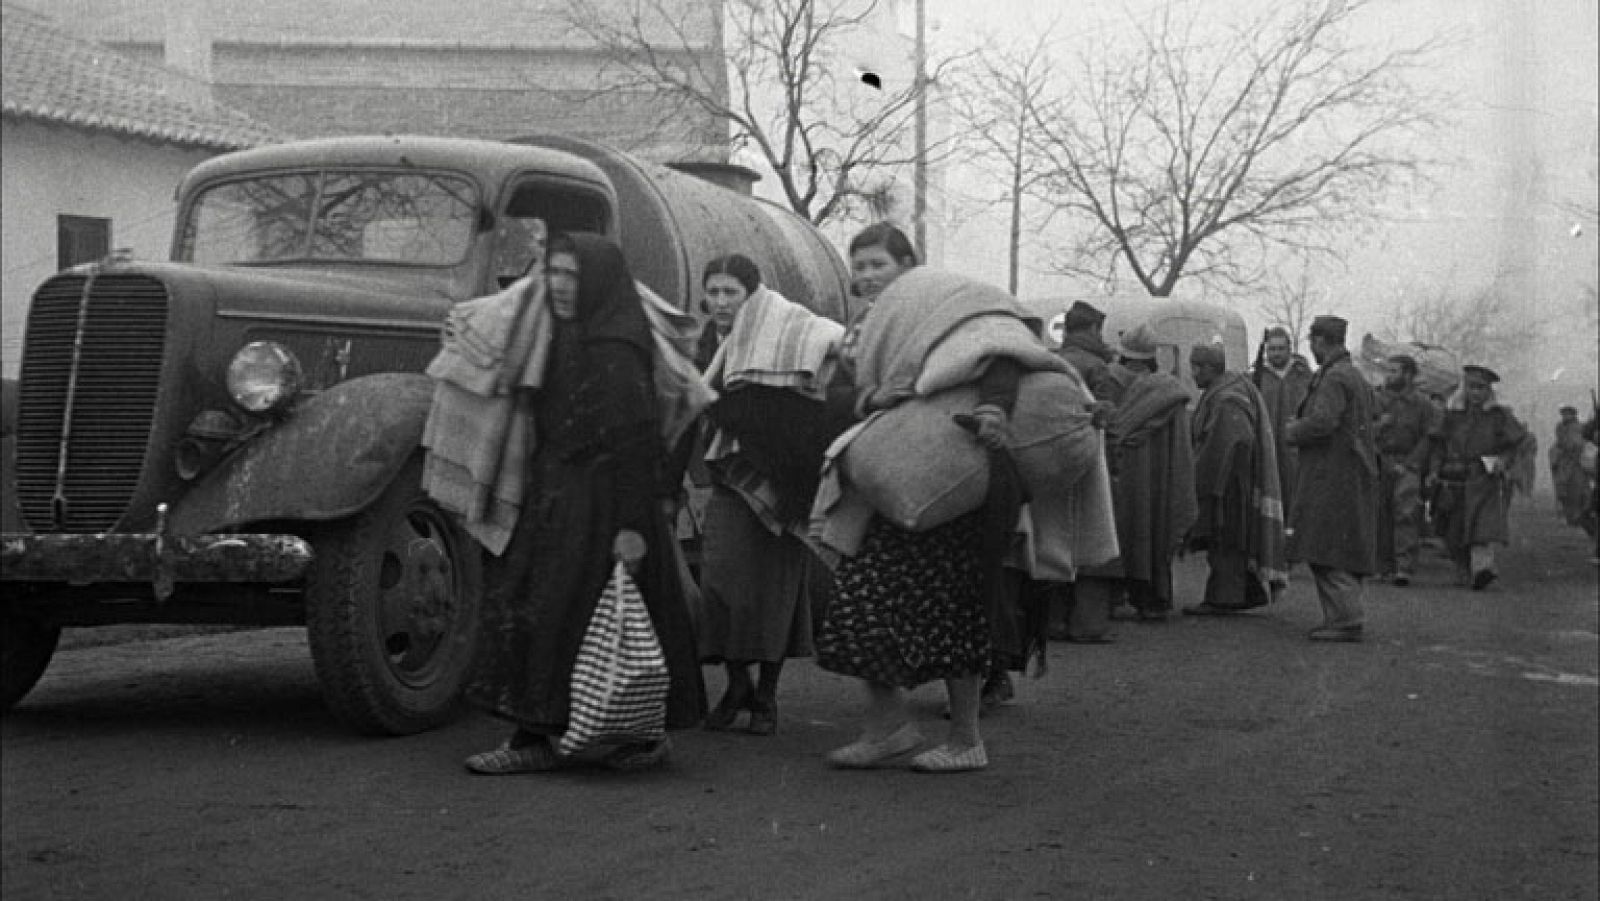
1053, 439
915, 466
920, 470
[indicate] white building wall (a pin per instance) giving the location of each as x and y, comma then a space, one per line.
51, 171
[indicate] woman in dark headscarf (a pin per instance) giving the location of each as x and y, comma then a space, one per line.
593, 496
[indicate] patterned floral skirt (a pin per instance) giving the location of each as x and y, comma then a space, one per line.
909, 608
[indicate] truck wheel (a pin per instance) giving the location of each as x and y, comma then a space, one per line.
392, 611
26, 646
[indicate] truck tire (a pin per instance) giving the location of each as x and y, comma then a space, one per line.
26, 646
392, 611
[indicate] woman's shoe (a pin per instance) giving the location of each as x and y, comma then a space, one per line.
997, 691
1124, 612
506, 760
1352, 634
726, 713
763, 717
945, 759
645, 755
863, 754
722, 717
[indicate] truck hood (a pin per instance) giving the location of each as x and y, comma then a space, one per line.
309, 293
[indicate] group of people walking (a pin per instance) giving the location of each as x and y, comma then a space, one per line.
566, 450
1275, 466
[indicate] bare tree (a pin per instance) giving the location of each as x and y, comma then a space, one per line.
1480, 326
1001, 90
828, 138
1190, 156
1291, 300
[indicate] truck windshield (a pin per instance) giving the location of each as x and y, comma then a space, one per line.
419, 219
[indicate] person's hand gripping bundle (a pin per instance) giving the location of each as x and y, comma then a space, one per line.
987, 423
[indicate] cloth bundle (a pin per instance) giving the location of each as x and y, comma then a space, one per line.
915, 466
620, 680
919, 469
774, 342
920, 353
477, 439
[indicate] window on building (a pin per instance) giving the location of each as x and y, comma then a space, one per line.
81, 239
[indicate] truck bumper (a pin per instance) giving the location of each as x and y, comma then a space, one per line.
161, 560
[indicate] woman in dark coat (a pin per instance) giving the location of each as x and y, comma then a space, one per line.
594, 495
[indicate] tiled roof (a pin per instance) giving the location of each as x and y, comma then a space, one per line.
48, 74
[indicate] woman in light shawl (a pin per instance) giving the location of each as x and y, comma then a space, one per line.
771, 371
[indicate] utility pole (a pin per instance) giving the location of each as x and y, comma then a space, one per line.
919, 178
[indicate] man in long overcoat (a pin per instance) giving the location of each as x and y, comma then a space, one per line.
1240, 523
1334, 518
1148, 448
1283, 377
1465, 464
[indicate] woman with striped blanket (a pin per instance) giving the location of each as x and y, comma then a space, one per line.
770, 372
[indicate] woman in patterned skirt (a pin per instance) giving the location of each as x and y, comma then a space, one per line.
909, 607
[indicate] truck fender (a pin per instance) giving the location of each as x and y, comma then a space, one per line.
330, 457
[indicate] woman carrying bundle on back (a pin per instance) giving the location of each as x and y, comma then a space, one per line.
914, 588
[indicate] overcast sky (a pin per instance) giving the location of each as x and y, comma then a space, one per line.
1527, 73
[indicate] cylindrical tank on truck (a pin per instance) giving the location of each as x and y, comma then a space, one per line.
233, 435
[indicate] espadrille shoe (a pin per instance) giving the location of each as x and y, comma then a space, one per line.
864, 755
943, 759
506, 760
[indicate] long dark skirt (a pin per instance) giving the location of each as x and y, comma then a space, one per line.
541, 593
755, 587
910, 607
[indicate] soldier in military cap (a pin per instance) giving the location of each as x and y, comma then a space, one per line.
1335, 510
1465, 465
1083, 345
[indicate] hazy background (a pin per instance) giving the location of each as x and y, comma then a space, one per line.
1520, 151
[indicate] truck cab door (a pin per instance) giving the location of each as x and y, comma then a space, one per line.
536, 207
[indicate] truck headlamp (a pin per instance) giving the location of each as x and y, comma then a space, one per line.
263, 377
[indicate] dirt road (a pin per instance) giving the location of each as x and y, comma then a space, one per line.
1452, 756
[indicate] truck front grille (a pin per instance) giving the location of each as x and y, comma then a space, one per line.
101, 407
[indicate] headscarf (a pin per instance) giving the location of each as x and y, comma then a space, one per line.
609, 308
599, 380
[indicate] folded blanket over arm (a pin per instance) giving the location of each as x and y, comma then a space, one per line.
777, 343
478, 437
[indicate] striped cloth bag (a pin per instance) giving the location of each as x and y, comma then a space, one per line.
620, 680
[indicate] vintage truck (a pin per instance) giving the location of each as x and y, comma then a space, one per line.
232, 436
